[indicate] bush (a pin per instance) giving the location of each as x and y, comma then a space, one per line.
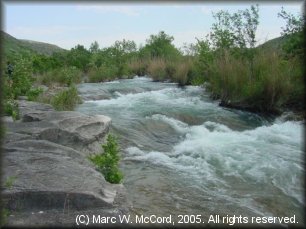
157, 69
64, 76
33, 93
102, 74
66, 100
22, 78
11, 109
107, 162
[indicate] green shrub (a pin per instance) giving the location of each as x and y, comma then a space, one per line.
33, 93
107, 162
21, 78
103, 73
69, 75
65, 76
66, 100
11, 108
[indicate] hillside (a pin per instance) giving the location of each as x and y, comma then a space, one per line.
13, 46
275, 43
41, 47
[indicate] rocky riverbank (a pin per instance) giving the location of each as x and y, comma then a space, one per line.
47, 178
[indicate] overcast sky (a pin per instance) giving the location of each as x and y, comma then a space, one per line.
67, 25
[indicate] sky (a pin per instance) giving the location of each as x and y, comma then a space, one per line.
68, 24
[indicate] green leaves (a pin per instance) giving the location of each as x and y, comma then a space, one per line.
79, 57
293, 31
22, 77
33, 93
159, 46
11, 108
235, 30
107, 162
66, 100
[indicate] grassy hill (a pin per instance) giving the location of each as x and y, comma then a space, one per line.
41, 47
13, 46
275, 43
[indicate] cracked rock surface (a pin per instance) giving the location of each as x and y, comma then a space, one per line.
46, 173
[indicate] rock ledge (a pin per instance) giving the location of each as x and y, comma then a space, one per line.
46, 172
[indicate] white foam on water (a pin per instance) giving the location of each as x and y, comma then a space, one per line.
112, 82
211, 152
173, 97
179, 126
239, 167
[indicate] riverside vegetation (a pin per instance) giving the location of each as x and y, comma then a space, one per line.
107, 162
267, 78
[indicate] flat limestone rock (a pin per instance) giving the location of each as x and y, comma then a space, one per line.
46, 174
73, 129
46, 171
31, 111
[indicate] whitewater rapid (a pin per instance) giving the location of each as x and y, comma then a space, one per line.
184, 154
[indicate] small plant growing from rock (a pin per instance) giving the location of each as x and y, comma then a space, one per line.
9, 182
107, 162
11, 108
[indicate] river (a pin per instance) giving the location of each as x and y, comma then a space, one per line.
184, 154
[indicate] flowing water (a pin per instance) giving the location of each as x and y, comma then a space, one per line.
184, 154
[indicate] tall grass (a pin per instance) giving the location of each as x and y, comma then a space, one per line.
157, 69
64, 76
275, 84
184, 72
66, 100
138, 66
103, 73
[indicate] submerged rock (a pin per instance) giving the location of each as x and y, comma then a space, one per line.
46, 169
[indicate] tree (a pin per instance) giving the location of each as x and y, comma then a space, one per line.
189, 49
204, 56
249, 30
235, 30
160, 46
236, 33
79, 57
121, 52
125, 46
94, 47
293, 32
222, 36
